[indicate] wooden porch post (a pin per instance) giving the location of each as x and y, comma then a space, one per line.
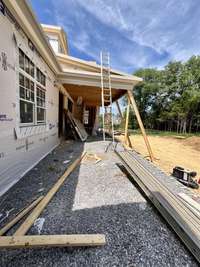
127, 121
139, 120
121, 115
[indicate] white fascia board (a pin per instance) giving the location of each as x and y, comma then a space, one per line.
94, 79
69, 59
25, 17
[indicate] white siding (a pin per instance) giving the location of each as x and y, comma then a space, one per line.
21, 149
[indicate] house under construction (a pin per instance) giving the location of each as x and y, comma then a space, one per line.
48, 96
43, 81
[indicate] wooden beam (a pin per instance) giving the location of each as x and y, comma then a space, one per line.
119, 109
139, 120
121, 115
20, 215
127, 121
22, 230
35, 241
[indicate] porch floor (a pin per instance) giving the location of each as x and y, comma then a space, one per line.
96, 198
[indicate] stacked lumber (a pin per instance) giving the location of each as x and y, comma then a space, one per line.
77, 125
181, 217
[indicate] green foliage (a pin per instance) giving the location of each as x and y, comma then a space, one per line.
169, 99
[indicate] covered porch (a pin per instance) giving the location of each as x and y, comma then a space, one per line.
84, 89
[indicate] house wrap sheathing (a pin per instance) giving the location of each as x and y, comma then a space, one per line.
38, 80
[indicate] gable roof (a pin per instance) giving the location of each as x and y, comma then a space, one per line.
56, 30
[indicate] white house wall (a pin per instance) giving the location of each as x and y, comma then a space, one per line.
21, 148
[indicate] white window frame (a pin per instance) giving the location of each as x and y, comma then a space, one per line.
35, 82
37, 106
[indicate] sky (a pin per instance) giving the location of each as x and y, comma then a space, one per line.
136, 33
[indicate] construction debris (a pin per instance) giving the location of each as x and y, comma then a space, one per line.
91, 156
77, 126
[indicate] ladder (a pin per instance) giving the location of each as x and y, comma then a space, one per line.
106, 96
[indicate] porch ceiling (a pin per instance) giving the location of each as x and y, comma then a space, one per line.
91, 95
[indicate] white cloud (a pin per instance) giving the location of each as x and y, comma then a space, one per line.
155, 30
153, 23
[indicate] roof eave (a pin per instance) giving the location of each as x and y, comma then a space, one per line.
94, 79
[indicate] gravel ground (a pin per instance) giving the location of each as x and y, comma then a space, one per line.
97, 198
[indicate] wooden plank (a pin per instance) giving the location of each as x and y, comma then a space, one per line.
20, 215
121, 115
127, 121
35, 241
195, 206
119, 109
22, 230
139, 120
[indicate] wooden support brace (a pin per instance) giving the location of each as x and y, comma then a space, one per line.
35, 241
22, 230
139, 120
127, 121
119, 109
20, 215
121, 115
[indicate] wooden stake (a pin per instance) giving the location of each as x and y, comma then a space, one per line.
139, 120
22, 230
121, 115
127, 121
20, 215
35, 241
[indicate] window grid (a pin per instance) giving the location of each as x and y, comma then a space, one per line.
32, 93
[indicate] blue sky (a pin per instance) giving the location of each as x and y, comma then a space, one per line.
137, 33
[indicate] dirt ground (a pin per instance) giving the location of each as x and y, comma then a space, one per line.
171, 151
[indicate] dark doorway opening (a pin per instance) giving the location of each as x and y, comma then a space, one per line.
60, 115
90, 112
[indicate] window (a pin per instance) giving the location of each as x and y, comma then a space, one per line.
40, 105
41, 77
26, 64
26, 93
32, 99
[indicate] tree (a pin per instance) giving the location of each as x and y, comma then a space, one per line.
169, 99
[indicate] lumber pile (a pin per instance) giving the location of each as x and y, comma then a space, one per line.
19, 240
77, 126
183, 218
